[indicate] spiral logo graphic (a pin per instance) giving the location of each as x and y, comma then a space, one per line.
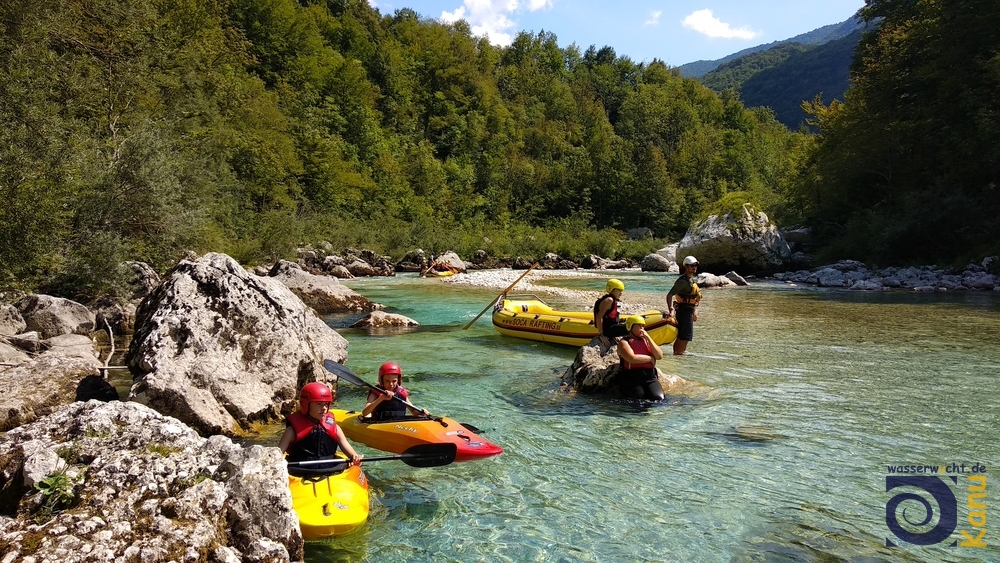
921, 512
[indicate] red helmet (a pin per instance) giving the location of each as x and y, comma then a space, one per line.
314, 392
390, 368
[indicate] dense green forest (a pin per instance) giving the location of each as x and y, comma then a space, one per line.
142, 129
906, 168
139, 129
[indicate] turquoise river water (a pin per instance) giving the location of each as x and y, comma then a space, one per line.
817, 393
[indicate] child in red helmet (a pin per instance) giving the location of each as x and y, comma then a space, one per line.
390, 403
312, 432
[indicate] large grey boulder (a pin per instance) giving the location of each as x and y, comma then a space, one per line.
144, 488
11, 355
11, 322
37, 387
745, 241
52, 316
451, 259
655, 263
144, 279
414, 261
383, 320
325, 294
220, 348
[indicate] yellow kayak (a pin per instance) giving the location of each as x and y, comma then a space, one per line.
527, 316
330, 505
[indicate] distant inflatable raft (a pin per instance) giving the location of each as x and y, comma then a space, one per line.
527, 316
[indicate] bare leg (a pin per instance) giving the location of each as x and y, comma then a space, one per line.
679, 347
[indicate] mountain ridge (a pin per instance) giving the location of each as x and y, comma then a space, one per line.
816, 37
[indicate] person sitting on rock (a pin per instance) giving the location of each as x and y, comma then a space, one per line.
389, 402
606, 317
312, 432
638, 378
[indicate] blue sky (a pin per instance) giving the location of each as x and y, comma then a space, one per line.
674, 31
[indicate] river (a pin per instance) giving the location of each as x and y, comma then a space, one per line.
818, 391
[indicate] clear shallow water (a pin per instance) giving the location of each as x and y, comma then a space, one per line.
818, 391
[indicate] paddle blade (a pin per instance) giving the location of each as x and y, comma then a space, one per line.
342, 372
429, 455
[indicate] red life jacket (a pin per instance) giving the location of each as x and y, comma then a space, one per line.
313, 440
612, 313
639, 346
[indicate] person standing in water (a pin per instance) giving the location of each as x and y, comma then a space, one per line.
683, 298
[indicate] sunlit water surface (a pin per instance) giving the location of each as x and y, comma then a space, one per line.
818, 391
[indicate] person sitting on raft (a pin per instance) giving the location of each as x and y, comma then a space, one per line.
388, 403
638, 378
606, 317
312, 432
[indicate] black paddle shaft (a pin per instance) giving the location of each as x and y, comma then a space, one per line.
422, 455
342, 371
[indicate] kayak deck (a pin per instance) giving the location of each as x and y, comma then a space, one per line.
398, 435
333, 505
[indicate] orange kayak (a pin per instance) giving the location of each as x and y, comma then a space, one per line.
398, 435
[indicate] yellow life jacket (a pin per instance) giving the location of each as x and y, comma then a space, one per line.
692, 298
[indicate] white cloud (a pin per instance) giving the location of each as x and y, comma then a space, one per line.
704, 22
489, 17
654, 18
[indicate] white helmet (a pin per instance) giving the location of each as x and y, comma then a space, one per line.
689, 260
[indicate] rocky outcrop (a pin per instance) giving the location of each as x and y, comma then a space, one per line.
144, 279
382, 320
220, 348
140, 486
37, 387
655, 263
856, 276
11, 321
705, 279
595, 370
746, 241
452, 260
414, 261
325, 294
52, 316
593, 262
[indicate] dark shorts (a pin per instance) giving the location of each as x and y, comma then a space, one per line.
640, 384
685, 322
615, 330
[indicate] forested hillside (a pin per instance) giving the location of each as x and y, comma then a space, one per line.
907, 166
140, 129
814, 38
783, 77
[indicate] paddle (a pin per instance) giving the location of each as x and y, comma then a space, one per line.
504, 292
422, 455
341, 371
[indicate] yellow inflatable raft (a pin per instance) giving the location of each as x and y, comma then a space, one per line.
527, 316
